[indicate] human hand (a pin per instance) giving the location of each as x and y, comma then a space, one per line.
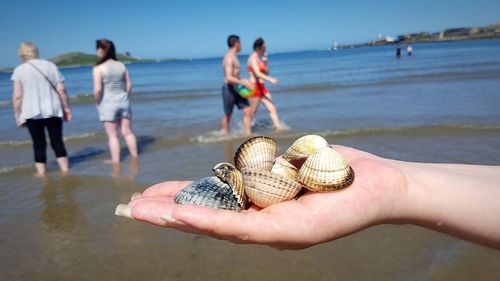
67, 115
374, 197
248, 84
20, 123
273, 81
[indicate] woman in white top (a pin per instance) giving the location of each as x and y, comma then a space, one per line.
112, 88
40, 102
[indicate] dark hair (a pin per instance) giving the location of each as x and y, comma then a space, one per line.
258, 43
108, 48
232, 40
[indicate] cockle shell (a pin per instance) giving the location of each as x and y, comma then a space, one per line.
209, 192
325, 170
264, 188
256, 153
285, 169
228, 173
305, 146
258, 176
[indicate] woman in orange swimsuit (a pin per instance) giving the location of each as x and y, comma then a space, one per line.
258, 71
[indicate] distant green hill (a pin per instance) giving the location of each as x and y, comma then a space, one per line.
78, 59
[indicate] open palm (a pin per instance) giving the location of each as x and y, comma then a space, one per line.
379, 187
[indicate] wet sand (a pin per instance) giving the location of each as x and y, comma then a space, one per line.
64, 228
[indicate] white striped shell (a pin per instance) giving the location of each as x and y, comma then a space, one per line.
256, 153
285, 169
264, 188
325, 170
305, 146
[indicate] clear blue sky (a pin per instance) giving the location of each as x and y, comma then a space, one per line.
188, 28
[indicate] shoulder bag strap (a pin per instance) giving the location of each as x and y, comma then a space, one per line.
44, 76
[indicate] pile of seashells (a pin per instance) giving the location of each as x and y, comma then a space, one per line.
261, 178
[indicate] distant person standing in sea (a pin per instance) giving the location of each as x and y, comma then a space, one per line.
112, 88
258, 71
40, 102
230, 98
409, 50
398, 52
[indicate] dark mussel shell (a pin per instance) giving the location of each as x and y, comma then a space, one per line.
209, 192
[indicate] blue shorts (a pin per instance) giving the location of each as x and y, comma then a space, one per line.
230, 98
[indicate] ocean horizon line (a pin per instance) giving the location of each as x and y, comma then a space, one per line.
9, 69
205, 58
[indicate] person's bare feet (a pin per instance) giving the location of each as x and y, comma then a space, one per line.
40, 175
282, 127
110, 162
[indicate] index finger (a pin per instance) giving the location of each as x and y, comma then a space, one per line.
166, 188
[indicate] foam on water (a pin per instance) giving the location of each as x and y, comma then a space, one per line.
216, 136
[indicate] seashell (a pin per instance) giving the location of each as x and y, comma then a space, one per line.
209, 192
325, 170
264, 188
256, 153
228, 173
305, 146
285, 169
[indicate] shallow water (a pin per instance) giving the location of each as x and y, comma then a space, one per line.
440, 105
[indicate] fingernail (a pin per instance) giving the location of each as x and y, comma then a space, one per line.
167, 218
136, 195
124, 211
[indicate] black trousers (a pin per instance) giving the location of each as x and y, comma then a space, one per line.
37, 127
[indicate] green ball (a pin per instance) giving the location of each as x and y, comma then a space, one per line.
244, 91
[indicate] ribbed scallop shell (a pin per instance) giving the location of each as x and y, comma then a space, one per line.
209, 192
264, 188
325, 170
305, 146
256, 153
285, 169
228, 173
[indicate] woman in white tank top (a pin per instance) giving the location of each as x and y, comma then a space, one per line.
112, 88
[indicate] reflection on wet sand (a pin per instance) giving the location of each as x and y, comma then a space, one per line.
61, 212
65, 229
133, 169
68, 229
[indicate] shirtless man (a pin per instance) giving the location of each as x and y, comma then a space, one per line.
230, 97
